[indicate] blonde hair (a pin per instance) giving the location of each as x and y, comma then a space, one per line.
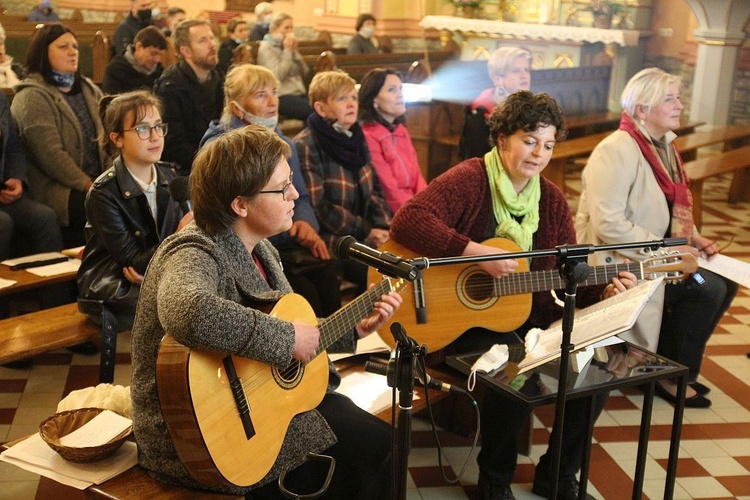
241, 81
328, 84
647, 88
278, 18
501, 61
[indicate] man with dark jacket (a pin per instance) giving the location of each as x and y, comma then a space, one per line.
140, 66
192, 91
138, 18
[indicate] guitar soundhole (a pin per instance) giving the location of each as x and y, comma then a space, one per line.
289, 377
475, 288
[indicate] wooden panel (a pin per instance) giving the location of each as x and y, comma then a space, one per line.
34, 333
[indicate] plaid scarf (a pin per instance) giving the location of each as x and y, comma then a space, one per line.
676, 192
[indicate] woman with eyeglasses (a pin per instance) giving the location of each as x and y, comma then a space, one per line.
55, 108
128, 208
251, 98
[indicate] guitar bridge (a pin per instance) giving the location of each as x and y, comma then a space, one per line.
238, 392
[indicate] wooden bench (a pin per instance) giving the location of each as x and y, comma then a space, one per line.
42, 331
687, 144
735, 160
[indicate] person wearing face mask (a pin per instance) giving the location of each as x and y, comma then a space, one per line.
381, 112
43, 13
236, 34
263, 15
278, 52
250, 99
344, 188
509, 69
138, 18
363, 42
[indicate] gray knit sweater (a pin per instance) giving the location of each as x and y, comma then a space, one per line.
199, 289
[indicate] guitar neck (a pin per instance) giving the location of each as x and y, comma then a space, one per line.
342, 321
542, 281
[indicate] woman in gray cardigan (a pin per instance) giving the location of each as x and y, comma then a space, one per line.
207, 286
55, 108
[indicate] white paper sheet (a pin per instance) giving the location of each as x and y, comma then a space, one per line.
592, 324
71, 266
371, 343
97, 431
6, 283
733, 269
32, 258
34, 455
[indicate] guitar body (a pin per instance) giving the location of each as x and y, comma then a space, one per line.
201, 410
457, 297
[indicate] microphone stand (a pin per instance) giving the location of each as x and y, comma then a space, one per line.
573, 269
407, 352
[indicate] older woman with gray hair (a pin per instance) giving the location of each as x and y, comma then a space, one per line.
509, 69
635, 189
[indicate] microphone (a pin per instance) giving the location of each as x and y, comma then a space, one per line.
387, 371
349, 248
178, 190
433, 383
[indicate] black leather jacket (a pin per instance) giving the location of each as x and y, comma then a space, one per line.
121, 232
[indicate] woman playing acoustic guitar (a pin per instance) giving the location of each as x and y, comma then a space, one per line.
504, 195
205, 419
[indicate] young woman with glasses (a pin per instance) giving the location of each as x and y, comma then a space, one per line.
129, 210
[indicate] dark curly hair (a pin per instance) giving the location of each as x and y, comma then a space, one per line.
524, 110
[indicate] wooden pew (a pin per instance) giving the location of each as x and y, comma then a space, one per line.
734, 160
19, 32
101, 52
568, 150
42, 331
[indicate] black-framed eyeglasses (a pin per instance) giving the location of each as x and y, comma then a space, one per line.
283, 190
144, 131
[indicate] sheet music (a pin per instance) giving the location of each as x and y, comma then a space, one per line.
733, 269
592, 324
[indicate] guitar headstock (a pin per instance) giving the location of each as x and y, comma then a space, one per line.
673, 266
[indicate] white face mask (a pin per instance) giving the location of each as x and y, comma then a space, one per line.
367, 31
252, 119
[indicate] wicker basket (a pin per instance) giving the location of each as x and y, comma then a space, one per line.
63, 423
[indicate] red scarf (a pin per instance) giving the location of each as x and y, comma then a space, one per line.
676, 192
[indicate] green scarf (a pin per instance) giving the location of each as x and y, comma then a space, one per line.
507, 204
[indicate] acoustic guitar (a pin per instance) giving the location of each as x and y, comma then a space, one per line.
227, 415
455, 298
